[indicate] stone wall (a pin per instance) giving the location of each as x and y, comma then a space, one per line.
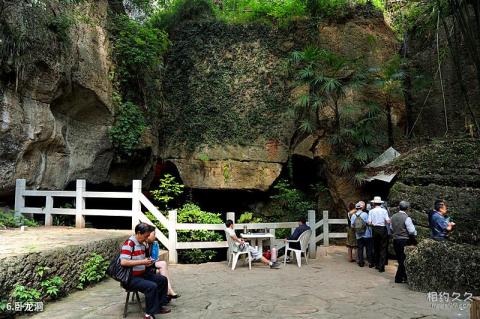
56, 97
448, 170
65, 262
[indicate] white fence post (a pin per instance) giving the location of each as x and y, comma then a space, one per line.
80, 203
20, 185
136, 206
312, 245
48, 211
172, 237
231, 215
326, 241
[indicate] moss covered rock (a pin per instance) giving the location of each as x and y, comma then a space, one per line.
448, 170
444, 266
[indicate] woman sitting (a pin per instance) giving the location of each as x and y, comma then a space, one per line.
160, 266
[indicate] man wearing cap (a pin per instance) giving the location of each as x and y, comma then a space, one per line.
364, 239
402, 228
378, 218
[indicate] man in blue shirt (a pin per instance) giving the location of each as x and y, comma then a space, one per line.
302, 227
439, 224
364, 236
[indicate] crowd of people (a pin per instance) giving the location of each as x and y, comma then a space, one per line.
370, 228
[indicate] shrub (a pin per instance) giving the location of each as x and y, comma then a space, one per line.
94, 270
8, 219
247, 217
292, 201
181, 10
277, 11
128, 128
191, 213
137, 47
51, 286
23, 294
168, 189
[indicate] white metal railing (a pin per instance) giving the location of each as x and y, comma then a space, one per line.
169, 223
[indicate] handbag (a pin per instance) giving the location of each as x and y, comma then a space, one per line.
119, 272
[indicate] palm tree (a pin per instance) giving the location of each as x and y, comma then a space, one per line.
389, 80
327, 77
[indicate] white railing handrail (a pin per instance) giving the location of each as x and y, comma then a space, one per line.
168, 222
154, 210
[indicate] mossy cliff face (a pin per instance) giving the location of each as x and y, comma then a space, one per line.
428, 100
448, 170
56, 95
228, 97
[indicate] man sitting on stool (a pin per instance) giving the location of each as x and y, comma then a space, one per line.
154, 286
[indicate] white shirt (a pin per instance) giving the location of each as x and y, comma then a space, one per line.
378, 216
409, 224
230, 232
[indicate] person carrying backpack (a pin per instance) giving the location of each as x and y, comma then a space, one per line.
363, 233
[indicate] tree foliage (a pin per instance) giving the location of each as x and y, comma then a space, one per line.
128, 128
168, 190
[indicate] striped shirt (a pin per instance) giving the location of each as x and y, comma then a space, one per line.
133, 250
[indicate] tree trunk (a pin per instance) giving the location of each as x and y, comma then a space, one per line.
389, 122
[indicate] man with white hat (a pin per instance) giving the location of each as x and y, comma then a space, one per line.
378, 218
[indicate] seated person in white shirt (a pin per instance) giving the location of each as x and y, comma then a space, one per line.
241, 245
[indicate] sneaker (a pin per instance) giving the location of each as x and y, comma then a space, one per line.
164, 310
361, 264
275, 265
371, 265
288, 260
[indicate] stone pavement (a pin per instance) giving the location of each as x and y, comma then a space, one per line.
35, 239
329, 287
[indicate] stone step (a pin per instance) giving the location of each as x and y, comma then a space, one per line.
163, 255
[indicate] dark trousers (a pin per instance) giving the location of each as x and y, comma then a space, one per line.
399, 247
154, 287
281, 251
380, 241
364, 243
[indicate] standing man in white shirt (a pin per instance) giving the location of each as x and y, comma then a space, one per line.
402, 228
378, 219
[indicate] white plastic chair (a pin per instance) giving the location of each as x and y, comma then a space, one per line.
304, 239
235, 255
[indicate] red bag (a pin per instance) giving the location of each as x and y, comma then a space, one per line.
267, 254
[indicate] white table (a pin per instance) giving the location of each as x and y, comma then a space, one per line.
258, 238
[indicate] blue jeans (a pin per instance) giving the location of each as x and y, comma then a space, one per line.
154, 287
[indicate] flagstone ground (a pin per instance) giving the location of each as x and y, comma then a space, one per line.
328, 287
